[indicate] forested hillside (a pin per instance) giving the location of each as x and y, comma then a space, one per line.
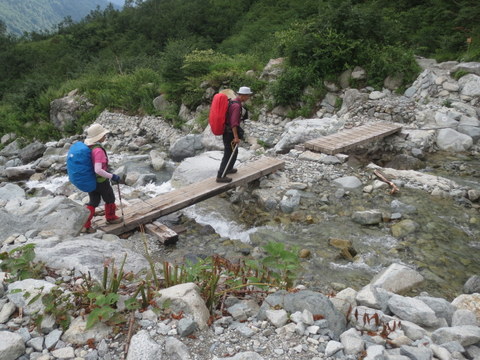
43, 15
122, 59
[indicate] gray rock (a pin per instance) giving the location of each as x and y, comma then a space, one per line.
161, 103
11, 191
7, 310
11, 345
176, 349
33, 288
469, 67
36, 343
417, 353
32, 152
186, 326
466, 335
312, 301
290, 201
277, 317
67, 110
143, 347
464, 317
472, 285
398, 206
442, 308
413, 310
186, 298
247, 355
348, 182
78, 334
52, 338
368, 217
185, 147
397, 278
86, 254
470, 85
451, 140
19, 173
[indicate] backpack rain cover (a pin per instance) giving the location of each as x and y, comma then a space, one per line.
218, 113
80, 168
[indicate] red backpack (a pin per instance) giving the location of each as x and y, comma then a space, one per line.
218, 113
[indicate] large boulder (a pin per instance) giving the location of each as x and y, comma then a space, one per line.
300, 131
87, 254
67, 110
470, 85
56, 215
316, 303
32, 152
451, 140
203, 166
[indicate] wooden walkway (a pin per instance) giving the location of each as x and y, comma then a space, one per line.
349, 138
146, 211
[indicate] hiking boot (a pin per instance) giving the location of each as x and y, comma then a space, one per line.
232, 171
224, 179
118, 220
87, 230
110, 214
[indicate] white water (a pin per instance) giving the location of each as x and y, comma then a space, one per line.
203, 215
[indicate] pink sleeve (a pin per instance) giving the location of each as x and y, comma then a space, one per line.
99, 160
99, 171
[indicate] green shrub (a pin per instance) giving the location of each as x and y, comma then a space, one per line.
288, 88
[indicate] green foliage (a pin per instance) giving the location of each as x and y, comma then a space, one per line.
282, 263
289, 86
59, 304
121, 59
459, 73
20, 264
277, 270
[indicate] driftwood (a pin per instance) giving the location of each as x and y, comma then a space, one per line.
382, 177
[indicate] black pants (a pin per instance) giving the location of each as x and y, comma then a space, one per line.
103, 191
227, 152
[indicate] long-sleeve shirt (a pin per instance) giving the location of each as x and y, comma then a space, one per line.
235, 113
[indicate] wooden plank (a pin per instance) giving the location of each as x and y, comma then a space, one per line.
164, 234
164, 204
349, 138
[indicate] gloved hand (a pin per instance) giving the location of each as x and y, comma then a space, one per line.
116, 179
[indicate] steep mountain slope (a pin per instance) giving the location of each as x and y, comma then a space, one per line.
38, 15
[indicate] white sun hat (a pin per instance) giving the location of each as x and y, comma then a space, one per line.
244, 90
94, 133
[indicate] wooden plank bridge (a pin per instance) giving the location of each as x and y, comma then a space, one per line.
146, 211
349, 138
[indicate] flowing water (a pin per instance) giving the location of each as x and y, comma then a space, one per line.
445, 248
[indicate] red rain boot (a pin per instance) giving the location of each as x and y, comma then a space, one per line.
87, 228
110, 214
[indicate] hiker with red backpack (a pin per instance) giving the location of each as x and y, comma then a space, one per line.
96, 134
232, 134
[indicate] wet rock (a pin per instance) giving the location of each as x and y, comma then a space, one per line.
404, 228
369, 217
472, 285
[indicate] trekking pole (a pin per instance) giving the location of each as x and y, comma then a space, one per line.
121, 205
229, 160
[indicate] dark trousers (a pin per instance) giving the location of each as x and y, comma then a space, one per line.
103, 191
227, 152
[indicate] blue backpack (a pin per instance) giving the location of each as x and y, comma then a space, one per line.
80, 168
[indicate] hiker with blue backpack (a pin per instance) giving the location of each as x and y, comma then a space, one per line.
232, 134
87, 167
